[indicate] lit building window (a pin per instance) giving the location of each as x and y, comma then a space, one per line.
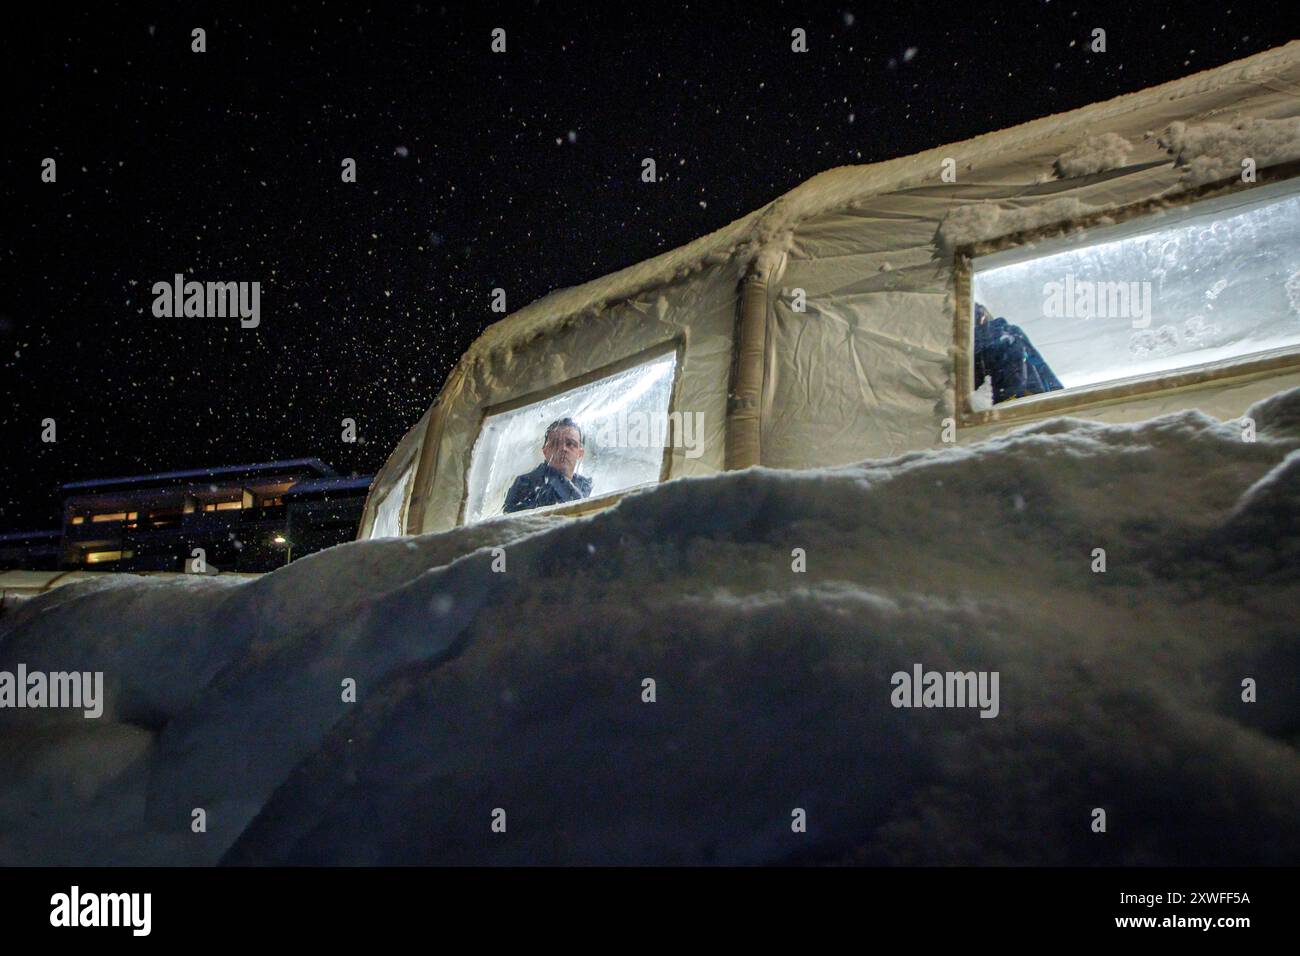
114, 516
105, 557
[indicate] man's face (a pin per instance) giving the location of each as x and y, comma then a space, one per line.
563, 450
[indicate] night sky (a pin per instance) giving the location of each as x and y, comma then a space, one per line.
474, 170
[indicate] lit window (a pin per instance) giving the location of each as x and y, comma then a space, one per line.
390, 510
79, 519
1210, 283
230, 505
105, 557
115, 516
625, 424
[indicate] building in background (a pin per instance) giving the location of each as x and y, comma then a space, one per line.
323, 512
31, 550
231, 518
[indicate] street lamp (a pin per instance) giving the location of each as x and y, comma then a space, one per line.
281, 539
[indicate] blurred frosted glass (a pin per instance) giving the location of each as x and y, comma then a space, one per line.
1224, 282
391, 508
510, 443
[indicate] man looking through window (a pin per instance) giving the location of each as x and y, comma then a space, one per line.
555, 480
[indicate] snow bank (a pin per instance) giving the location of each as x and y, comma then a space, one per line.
1096, 154
522, 690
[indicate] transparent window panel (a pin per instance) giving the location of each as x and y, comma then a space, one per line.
1207, 282
622, 417
390, 512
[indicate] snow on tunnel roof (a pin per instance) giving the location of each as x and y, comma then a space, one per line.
842, 186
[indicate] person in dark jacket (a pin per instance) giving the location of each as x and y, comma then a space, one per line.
555, 480
1004, 354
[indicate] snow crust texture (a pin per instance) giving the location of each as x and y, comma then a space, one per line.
1209, 152
978, 222
1095, 154
523, 690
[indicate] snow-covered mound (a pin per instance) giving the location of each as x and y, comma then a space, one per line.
523, 690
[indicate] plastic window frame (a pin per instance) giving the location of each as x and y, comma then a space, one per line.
676, 345
402, 515
1052, 404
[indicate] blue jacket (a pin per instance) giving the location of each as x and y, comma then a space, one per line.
1004, 353
543, 486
